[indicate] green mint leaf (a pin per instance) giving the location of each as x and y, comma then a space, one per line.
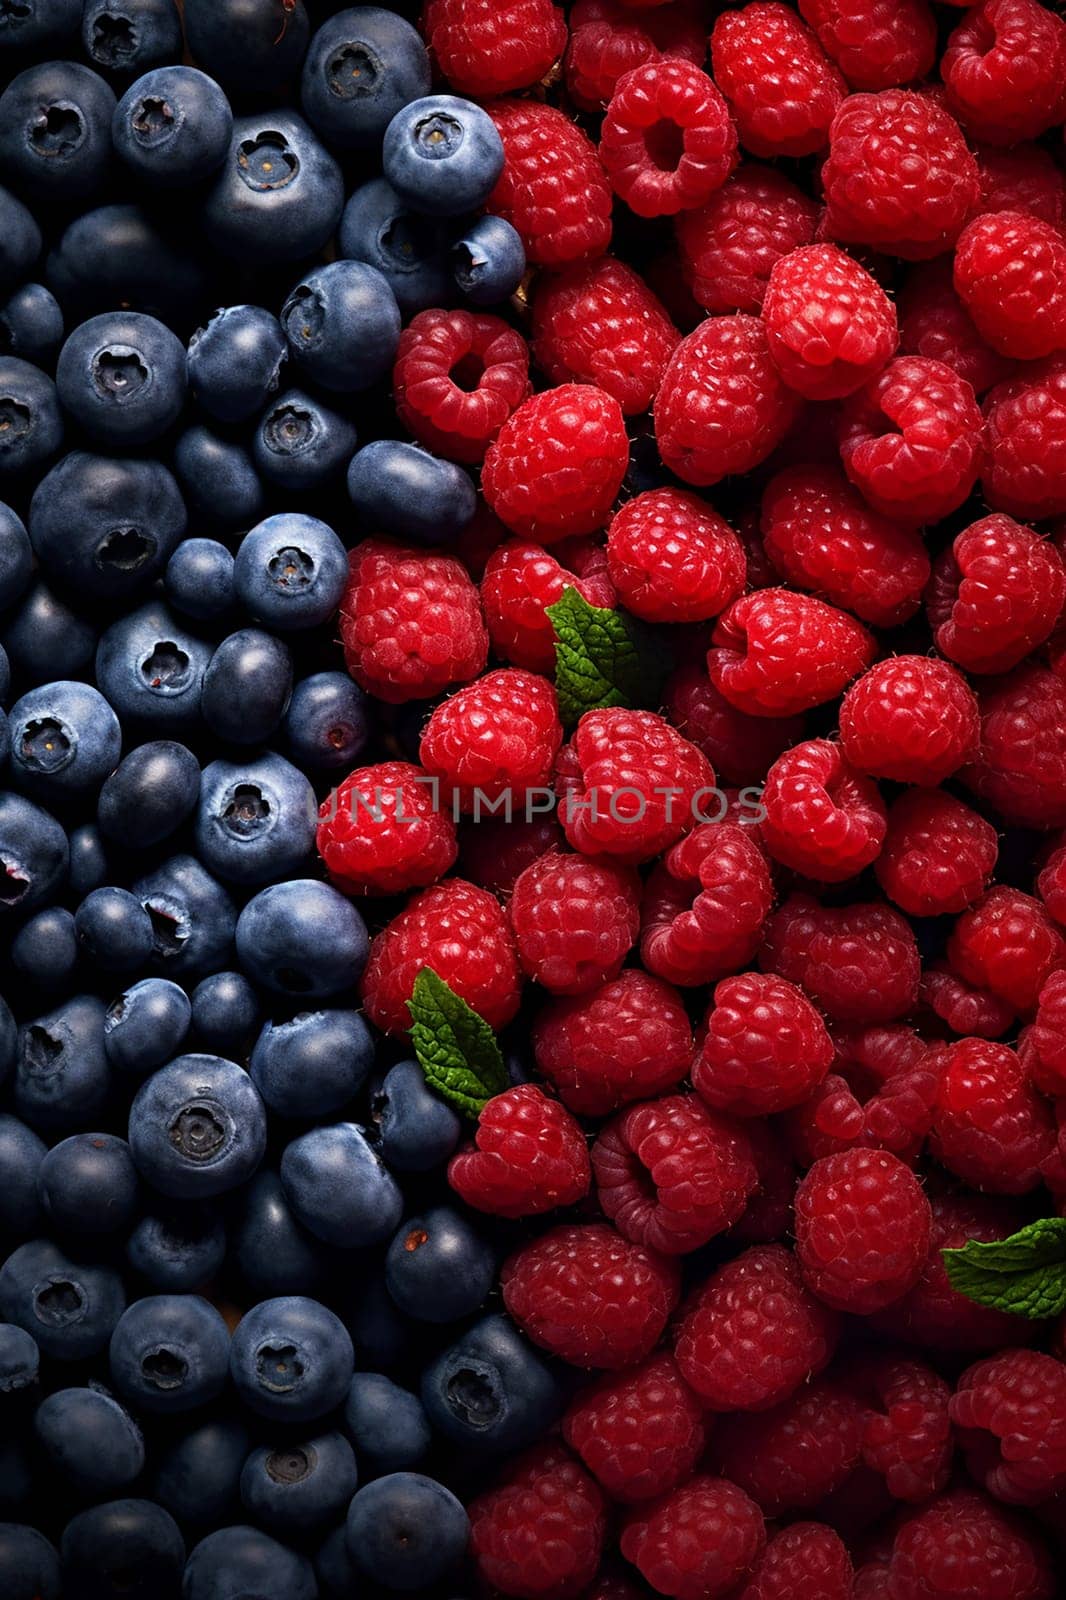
1025, 1274
456, 1048
602, 658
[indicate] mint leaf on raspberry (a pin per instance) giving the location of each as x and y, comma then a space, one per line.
1025, 1274
602, 658
456, 1048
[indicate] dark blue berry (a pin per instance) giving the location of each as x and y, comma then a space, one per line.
88, 1184
149, 794
33, 854
406, 1531
312, 1064
298, 1488
146, 1025
31, 325
178, 1248
31, 424
246, 687
290, 572
251, 48
339, 1188
488, 261
44, 637
193, 917
291, 1359
40, 24
384, 1338
410, 494
279, 194
273, 1252
89, 1440
302, 939
45, 949
362, 66
198, 1474
256, 820
409, 250
124, 37
490, 1391
65, 739
29, 1565
151, 668
442, 155
119, 255
301, 444
235, 361
221, 485
438, 1268
225, 1013
21, 1154
124, 1550
16, 558
114, 930
327, 723
106, 527
62, 1074
343, 325
417, 1129
387, 1424
199, 575
172, 127
88, 860
69, 1307
197, 1128
121, 375
169, 1353
55, 130
20, 1359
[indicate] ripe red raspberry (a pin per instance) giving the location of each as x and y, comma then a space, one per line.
486, 47
1003, 68
934, 323
910, 718
521, 579
705, 905
529, 1156
629, 1040
722, 407
910, 440
899, 175
558, 462
880, 1097
791, 1456
783, 90
1020, 767
995, 595
671, 1175
765, 1047
822, 536
738, 746
553, 189
753, 1333
775, 653
1024, 471
667, 141
462, 933
1009, 944
495, 739
862, 1229
599, 323
1051, 884
823, 819
938, 854
829, 324
769, 1211
907, 1438
698, 1542
877, 44
410, 622
379, 831
1011, 1414
538, 1534
990, 1127
806, 1561
483, 535
590, 1296
1045, 1060
1010, 273
629, 785
641, 1433
968, 1547
574, 920
458, 376
859, 963
1025, 178
964, 1009
729, 246
608, 39
672, 559
493, 852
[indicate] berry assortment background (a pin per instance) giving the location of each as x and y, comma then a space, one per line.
534, 1054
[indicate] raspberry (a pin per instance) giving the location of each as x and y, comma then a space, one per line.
910, 440
530, 1157
608, 40
996, 594
486, 47
671, 1175
782, 89
907, 1438
483, 535
966, 1547
722, 407
822, 818
990, 1127
458, 376
705, 905
672, 559
667, 141
574, 920
899, 175
494, 739
739, 747
829, 324
1009, 274
877, 44
522, 579
1051, 884
493, 851
461, 932
1023, 179
590, 1296
806, 1561
558, 462
775, 653
1020, 767
553, 189
821, 535
379, 831
1011, 1414
753, 1334
640, 1434
862, 1229
963, 1008
934, 323
599, 323
938, 854
1024, 470
539, 1533
697, 1542
1047, 1064
1009, 944
769, 1211
910, 718
629, 785
765, 1047
410, 622
859, 963
627, 1041
790, 1457
1003, 69
880, 1097
729, 246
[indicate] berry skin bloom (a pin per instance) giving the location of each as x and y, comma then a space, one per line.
607, 40
486, 48
529, 1157
830, 325
877, 44
1020, 767
996, 595
729, 246
910, 440
823, 818
574, 920
1010, 273
938, 854
739, 747
558, 462
705, 905
667, 141
698, 1542
722, 407
553, 189
899, 175
589, 1296
783, 90
1007, 943
990, 1127
1011, 1414
907, 1438
966, 1546
672, 559
1003, 69
600, 323
445, 416
753, 1333
806, 1561
788, 1458
495, 738
862, 1229
910, 718
410, 622
775, 653
538, 1534
858, 963
462, 933
933, 322
380, 833
1024, 471
671, 1175
521, 580
764, 1048
640, 1433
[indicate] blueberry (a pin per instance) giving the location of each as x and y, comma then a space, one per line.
149, 795
488, 261
490, 1391
152, 669
235, 362
220, 483
88, 860
225, 1012
146, 1025
383, 1337
362, 66
31, 325
252, 49
114, 930
417, 1129
438, 1268
177, 1248
442, 155
410, 494
406, 1531
125, 37
89, 1440
387, 1424
273, 1253
62, 1076
197, 1476
336, 1574
343, 325
21, 239
197, 1128
291, 1359
301, 444
279, 194
123, 1550
88, 1184
302, 939
256, 820
247, 686
34, 25
69, 1307
291, 571
106, 527
33, 854
240, 1563
45, 637
31, 425
169, 1353
29, 1565
313, 1064
327, 723
45, 949
121, 376
172, 127
339, 1188
297, 1488
192, 915
409, 250
199, 575
20, 1359
8, 1039
119, 255
21, 1155
55, 130
65, 739
16, 558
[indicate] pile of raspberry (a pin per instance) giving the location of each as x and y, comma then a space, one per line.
781, 951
